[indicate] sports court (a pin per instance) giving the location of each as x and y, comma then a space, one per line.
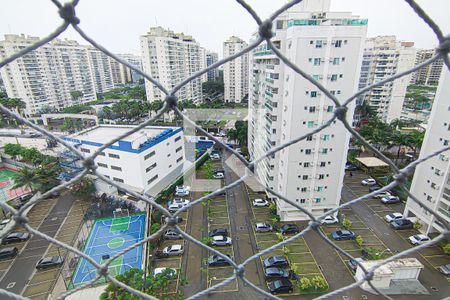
108, 237
7, 177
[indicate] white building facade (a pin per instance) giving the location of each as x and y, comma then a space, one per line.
58, 74
136, 62
235, 72
431, 182
211, 58
384, 57
139, 161
430, 74
284, 106
171, 57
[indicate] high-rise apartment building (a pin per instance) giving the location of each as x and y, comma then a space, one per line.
384, 57
136, 62
120, 73
211, 58
283, 105
430, 74
431, 182
171, 57
235, 72
58, 74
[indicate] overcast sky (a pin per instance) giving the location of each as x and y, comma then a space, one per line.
117, 24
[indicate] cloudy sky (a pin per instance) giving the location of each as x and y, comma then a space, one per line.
117, 24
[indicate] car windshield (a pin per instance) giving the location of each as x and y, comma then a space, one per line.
47, 260
278, 284
339, 232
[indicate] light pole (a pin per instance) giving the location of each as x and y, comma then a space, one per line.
379, 254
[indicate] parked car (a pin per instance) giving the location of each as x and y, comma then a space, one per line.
171, 272
220, 240
181, 191
218, 231
280, 286
382, 195
4, 222
49, 262
330, 220
418, 239
260, 202
173, 250
352, 263
350, 167
9, 252
172, 235
445, 269
289, 229
180, 201
215, 156
173, 207
16, 237
276, 261
217, 261
218, 175
390, 200
402, 224
263, 227
25, 198
340, 235
219, 170
368, 182
274, 272
392, 217
374, 188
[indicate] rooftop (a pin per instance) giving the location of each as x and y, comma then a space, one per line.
386, 269
371, 162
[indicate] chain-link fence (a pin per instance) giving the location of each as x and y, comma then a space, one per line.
68, 14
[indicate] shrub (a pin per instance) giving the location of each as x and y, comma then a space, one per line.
280, 236
319, 283
305, 283
346, 224
446, 249
286, 250
154, 228
359, 240
417, 225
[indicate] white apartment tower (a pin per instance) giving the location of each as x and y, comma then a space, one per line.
431, 182
58, 74
430, 74
211, 58
283, 105
384, 57
136, 62
235, 72
120, 73
171, 57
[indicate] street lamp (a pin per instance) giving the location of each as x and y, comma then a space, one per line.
379, 254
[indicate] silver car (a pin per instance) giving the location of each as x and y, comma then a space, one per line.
220, 240
263, 227
173, 250
172, 235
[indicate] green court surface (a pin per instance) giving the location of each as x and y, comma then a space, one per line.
119, 224
114, 266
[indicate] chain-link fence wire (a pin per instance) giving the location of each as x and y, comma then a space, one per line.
265, 34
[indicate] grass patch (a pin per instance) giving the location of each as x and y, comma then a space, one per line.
307, 268
301, 258
264, 237
298, 248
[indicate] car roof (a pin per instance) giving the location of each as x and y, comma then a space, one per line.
421, 236
219, 237
395, 214
176, 247
9, 249
261, 224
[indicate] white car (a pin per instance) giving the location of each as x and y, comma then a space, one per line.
330, 220
418, 239
218, 175
158, 271
220, 240
215, 156
182, 201
392, 217
181, 191
369, 182
173, 207
382, 195
263, 227
260, 202
173, 250
4, 222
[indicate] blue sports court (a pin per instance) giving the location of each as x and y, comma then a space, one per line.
108, 237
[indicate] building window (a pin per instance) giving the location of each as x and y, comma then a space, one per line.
309, 138
316, 61
85, 150
321, 176
318, 44
177, 138
150, 168
324, 151
306, 164
179, 159
338, 44
118, 179
317, 200
313, 94
147, 156
302, 201
178, 149
102, 165
116, 168
322, 164
336, 61
429, 198
303, 190
152, 179
326, 137
333, 77
308, 151
102, 153
330, 108
113, 155
310, 124
312, 109
320, 188
305, 177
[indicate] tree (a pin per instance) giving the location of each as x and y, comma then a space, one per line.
359, 240
26, 177
47, 176
346, 224
319, 283
213, 87
305, 283
32, 155
13, 149
76, 95
84, 189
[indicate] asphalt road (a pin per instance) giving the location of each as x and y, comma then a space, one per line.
23, 267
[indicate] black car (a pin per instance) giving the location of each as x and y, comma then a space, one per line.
374, 188
280, 286
350, 167
16, 237
25, 198
218, 231
49, 262
353, 263
289, 229
8, 252
402, 224
276, 273
276, 261
216, 261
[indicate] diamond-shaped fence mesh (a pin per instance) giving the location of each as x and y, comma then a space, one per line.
68, 13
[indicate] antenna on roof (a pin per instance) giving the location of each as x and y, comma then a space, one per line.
156, 21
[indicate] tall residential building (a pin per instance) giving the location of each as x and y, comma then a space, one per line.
58, 74
171, 57
203, 51
431, 73
284, 106
235, 72
431, 182
120, 73
211, 58
384, 57
136, 62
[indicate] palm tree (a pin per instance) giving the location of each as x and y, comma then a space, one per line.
26, 177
